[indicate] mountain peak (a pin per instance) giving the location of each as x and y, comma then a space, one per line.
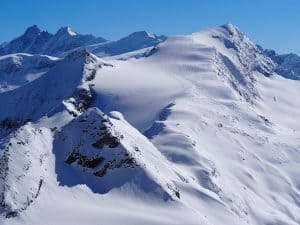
80, 54
32, 31
143, 35
66, 31
232, 29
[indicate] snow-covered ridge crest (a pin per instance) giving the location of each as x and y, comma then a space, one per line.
18, 69
109, 148
69, 78
238, 60
35, 41
106, 150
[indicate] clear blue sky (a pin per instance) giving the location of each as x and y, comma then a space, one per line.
271, 23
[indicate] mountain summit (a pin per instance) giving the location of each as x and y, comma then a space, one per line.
32, 31
31, 41
66, 31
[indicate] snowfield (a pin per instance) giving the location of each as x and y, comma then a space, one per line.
196, 129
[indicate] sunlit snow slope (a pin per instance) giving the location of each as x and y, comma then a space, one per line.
199, 129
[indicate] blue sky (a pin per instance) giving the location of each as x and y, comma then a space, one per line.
272, 23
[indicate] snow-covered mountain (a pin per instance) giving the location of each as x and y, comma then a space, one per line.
21, 68
35, 41
32, 41
288, 65
135, 41
65, 40
195, 129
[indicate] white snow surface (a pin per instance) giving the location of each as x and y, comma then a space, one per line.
197, 130
21, 68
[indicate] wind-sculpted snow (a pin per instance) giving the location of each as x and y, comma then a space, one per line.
195, 129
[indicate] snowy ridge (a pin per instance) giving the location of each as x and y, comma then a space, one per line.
239, 58
19, 69
177, 130
109, 149
135, 41
58, 84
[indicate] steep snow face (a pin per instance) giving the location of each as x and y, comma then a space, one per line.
240, 58
24, 167
184, 129
19, 69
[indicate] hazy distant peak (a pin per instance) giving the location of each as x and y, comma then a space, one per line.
66, 31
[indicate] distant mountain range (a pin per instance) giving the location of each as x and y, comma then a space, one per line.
35, 41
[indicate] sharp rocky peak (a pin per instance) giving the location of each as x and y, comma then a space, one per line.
66, 31
81, 54
32, 31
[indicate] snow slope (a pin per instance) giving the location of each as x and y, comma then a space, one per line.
199, 129
19, 69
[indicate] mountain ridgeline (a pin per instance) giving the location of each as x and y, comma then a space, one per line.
35, 41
